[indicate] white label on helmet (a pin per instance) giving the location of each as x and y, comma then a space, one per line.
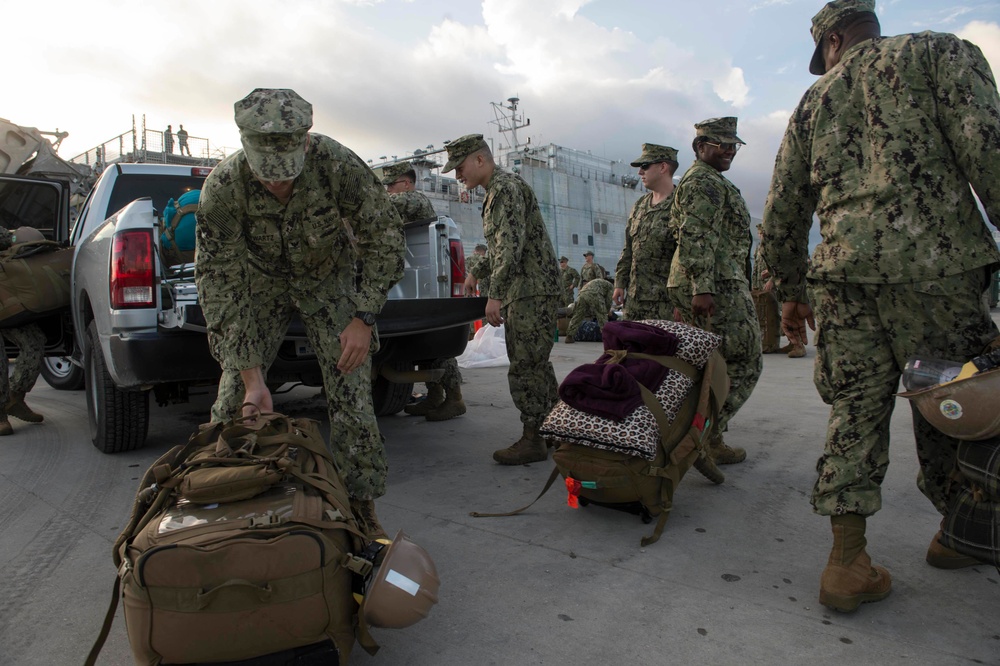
402, 582
951, 409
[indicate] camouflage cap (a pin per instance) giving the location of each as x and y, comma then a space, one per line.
392, 172
273, 126
829, 16
562, 259
588, 253
720, 130
482, 247
461, 148
652, 152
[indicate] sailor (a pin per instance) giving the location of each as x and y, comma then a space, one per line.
644, 264
444, 397
590, 271
296, 223
884, 148
710, 273
593, 303
524, 287
570, 279
30, 340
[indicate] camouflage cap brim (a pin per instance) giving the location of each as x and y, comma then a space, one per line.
461, 148
275, 157
833, 13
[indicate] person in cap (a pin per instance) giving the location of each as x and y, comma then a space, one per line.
590, 270
444, 397
883, 149
400, 180
30, 341
644, 264
593, 304
524, 291
569, 277
297, 224
709, 282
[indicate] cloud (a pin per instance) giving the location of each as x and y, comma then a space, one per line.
987, 37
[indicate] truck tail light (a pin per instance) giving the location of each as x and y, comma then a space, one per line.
132, 270
457, 267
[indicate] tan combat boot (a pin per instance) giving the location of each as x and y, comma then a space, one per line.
797, 350
5, 427
569, 339
850, 579
364, 513
942, 557
723, 454
530, 448
434, 399
20, 410
452, 406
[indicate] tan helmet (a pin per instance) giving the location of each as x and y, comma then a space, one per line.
967, 409
404, 588
27, 235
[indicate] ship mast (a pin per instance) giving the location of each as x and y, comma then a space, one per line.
509, 123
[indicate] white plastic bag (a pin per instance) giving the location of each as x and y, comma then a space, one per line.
488, 349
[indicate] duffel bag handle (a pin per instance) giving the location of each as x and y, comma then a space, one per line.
263, 591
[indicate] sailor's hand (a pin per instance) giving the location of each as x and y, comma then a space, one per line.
470, 285
354, 343
618, 297
493, 313
257, 398
703, 305
794, 317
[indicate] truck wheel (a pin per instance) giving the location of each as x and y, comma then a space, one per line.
118, 419
389, 398
59, 373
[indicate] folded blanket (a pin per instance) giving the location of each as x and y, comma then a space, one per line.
608, 391
638, 337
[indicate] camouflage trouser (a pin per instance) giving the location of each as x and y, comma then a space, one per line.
30, 339
588, 306
355, 441
452, 378
529, 328
866, 333
229, 399
736, 321
635, 310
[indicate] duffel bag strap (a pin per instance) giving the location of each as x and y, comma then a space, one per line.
109, 619
548, 484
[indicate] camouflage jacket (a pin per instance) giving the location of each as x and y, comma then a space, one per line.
713, 231
413, 206
600, 291
644, 264
522, 263
338, 237
590, 272
883, 149
570, 279
757, 281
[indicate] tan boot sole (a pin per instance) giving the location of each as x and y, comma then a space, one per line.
850, 604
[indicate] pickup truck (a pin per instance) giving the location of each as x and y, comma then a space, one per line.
135, 328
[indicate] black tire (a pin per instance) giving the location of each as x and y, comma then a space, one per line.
389, 398
59, 373
118, 419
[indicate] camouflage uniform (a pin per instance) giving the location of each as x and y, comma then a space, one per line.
594, 302
712, 257
570, 279
29, 339
644, 264
480, 264
883, 149
590, 272
335, 248
413, 206
525, 279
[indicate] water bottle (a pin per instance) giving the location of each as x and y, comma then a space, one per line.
920, 373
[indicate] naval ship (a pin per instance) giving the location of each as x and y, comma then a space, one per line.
585, 200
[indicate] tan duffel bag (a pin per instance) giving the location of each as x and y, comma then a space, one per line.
241, 544
34, 281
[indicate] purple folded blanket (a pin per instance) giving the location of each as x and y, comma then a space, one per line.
612, 390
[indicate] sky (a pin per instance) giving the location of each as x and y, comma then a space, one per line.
387, 77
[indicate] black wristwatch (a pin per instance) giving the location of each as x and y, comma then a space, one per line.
368, 318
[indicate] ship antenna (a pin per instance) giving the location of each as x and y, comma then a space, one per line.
509, 123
